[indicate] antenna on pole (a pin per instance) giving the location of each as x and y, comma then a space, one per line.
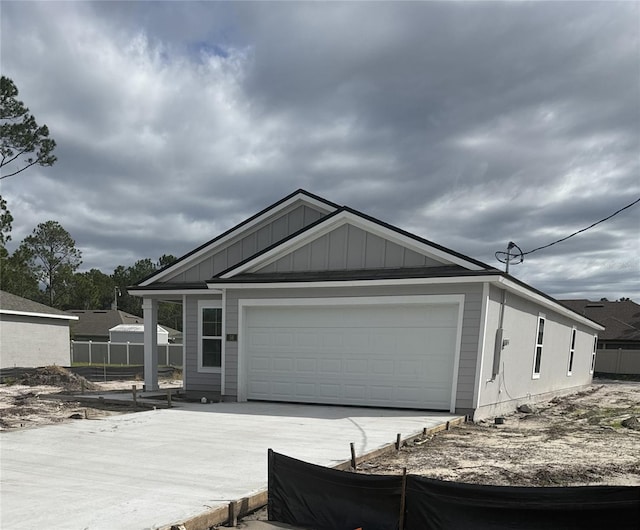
509, 256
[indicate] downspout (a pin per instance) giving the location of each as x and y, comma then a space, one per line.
184, 342
224, 345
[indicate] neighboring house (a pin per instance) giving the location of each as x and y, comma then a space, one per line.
312, 302
135, 333
95, 325
619, 343
32, 334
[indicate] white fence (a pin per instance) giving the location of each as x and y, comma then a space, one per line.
618, 361
124, 353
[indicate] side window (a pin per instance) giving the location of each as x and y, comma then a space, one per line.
593, 354
572, 350
537, 360
210, 336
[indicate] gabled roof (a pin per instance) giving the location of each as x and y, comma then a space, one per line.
345, 215
209, 246
621, 319
98, 322
11, 304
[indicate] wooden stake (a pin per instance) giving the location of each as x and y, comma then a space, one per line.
134, 391
168, 397
353, 456
403, 494
448, 426
398, 437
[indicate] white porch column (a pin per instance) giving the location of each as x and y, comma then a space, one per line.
150, 312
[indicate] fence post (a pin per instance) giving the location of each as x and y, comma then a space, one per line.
90, 363
109, 352
71, 353
166, 354
128, 360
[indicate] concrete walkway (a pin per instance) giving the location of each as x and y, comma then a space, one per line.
161, 467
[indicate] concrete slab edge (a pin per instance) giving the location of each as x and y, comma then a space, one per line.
229, 514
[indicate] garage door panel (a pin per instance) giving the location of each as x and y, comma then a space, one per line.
399, 356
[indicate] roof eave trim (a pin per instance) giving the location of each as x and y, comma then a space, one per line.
39, 315
170, 292
189, 258
554, 305
342, 217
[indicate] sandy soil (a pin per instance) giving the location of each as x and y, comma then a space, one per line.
589, 438
27, 402
592, 437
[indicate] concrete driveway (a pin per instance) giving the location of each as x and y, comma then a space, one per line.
161, 467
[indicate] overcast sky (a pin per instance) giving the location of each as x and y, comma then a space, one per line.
471, 124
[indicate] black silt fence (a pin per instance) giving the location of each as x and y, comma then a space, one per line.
320, 498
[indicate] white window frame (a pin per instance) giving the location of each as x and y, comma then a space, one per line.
210, 304
572, 350
539, 345
593, 355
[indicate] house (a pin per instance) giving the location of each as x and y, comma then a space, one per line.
308, 301
619, 343
95, 325
135, 333
32, 334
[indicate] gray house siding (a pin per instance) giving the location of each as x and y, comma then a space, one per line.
470, 325
515, 383
196, 380
348, 247
249, 242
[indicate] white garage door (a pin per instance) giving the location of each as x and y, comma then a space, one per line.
375, 355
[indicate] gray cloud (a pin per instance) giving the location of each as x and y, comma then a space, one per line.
470, 124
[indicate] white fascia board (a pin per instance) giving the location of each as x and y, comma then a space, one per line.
513, 287
343, 218
350, 283
175, 293
39, 315
209, 248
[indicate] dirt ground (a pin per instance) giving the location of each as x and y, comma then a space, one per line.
26, 402
588, 438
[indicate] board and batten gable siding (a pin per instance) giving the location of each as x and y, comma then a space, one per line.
30, 342
195, 380
348, 247
470, 325
515, 382
248, 243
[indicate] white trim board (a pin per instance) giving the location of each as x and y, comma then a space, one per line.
39, 315
208, 248
336, 221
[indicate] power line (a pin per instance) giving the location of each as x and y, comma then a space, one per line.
584, 229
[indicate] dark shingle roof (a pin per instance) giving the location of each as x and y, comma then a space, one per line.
353, 274
12, 302
94, 322
621, 319
98, 322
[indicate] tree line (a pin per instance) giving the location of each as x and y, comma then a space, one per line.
44, 267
